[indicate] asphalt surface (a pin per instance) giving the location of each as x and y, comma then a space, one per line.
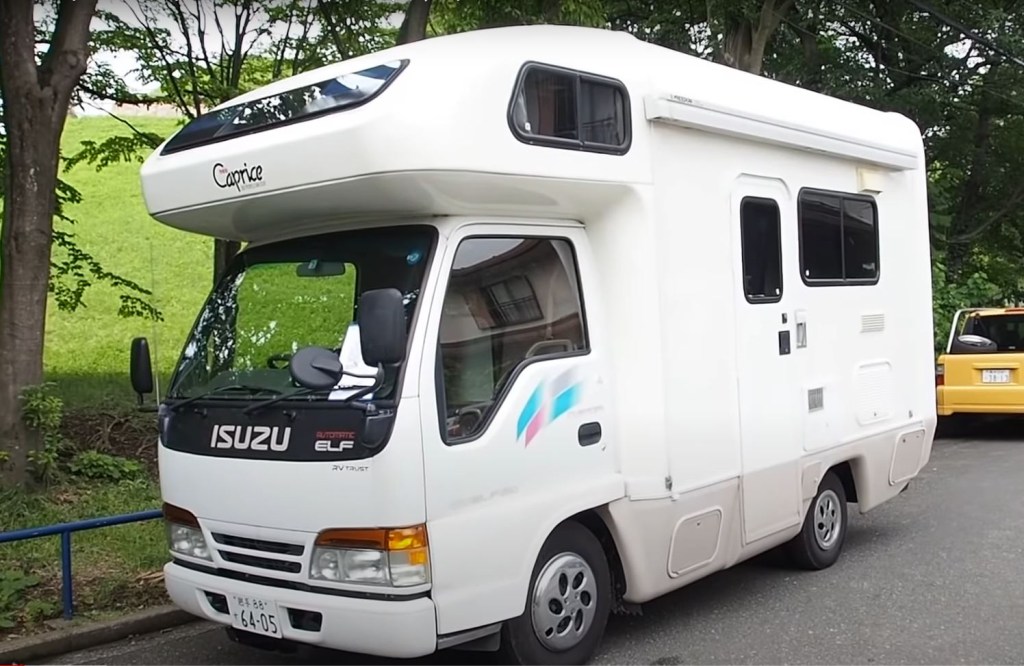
935, 576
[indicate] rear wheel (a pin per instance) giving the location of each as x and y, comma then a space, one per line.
820, 541
568, 602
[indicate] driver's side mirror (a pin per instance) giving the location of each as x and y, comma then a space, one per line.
382, 333
141, 369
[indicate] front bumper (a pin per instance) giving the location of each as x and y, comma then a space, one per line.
384, 628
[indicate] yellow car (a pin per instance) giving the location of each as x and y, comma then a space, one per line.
981, 370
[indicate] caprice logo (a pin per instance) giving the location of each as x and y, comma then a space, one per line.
253, 438
246, 178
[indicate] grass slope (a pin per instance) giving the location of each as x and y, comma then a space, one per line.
95, 462
87, 351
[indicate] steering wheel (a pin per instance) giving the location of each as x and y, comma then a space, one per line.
278, 358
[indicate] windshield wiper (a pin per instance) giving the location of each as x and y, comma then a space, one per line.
366, 390
225, 389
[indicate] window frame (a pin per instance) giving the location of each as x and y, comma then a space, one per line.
843, 197
513, 377
761, 300
278, 250
572, 144
170, 147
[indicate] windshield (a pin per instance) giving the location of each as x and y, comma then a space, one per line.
277, 299
1006, 330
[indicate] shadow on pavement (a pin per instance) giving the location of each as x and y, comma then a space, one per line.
981, 427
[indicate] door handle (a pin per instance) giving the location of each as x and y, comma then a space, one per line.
801, 329
590, 434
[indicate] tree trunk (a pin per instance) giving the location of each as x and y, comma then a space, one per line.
745, 43
36, 101
414, 25
971, 193
24, 277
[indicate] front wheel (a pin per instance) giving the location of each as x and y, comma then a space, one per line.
820, 541
568, 603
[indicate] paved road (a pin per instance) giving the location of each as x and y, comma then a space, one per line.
934, 577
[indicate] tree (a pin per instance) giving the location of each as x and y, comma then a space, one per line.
450, 16
415, 23
36, 98
736, 33
199, 63
203, 53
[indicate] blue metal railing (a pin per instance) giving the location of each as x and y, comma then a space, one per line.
65, 530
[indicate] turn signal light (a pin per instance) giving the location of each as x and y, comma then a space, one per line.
397, 557
184, 536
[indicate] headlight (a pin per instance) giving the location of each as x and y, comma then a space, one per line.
375, 557
183, 534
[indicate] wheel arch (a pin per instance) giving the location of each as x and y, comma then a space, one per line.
844, 470
594, 521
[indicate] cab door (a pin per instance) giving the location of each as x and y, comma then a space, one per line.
769, 341
517, 433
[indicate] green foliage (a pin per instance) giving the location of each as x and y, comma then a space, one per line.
74, 270
90, 369
99, 466
43, 412
451, 16
113, 566
13, 585
40, 610
258, 41
114, 149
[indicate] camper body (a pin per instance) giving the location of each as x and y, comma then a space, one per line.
612, 319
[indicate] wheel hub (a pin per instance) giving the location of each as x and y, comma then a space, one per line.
827, 519
564, 602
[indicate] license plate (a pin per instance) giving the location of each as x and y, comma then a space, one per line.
256, 615
995, 376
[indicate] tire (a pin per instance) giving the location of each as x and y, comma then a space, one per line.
571, 557
821, 539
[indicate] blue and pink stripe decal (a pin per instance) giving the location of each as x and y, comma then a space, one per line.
547, 403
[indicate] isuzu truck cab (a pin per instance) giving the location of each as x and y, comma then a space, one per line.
531, 325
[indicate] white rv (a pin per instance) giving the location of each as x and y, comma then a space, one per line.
532, 325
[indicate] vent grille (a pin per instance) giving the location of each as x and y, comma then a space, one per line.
815, 399
872, 323
261, 562
258, 544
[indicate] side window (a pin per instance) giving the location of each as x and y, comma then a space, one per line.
838, 238
563, 108
509, 301
761, 240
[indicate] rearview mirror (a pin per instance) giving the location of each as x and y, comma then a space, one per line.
141, 368
382, 327
317, 268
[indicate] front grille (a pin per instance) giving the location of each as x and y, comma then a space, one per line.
275, 547
261, 562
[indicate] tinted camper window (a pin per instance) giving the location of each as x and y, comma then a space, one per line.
567, 109
345, 91
838, 238
762, 250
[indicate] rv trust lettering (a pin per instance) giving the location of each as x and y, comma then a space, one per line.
246, 178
